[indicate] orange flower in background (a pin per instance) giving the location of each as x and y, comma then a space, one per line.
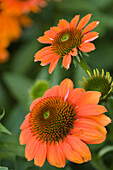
4, 55
11, 30
61, 123
19, 7
66, 39
9, 27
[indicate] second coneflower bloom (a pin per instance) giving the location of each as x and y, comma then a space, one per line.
66, 39
61, 123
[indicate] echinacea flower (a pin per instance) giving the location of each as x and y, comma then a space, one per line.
19, 7
61, 123
66, 39
99, 82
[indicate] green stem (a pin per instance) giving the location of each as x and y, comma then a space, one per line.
83, 64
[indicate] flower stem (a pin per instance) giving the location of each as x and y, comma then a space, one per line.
83, 64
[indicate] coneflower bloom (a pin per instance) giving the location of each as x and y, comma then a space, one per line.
66, 39
61, 123
19, 7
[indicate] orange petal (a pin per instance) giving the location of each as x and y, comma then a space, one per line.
86, 47
34, 103
41, 53
40, 155
50, 34
80, 147
90, 37
84, 21
90, 110
54, 91
65, 87
67, 61
25, 124
101, 119
74, 52
55, 29
90, 124
47, 59
53, 64
74, 95
45, 40
27, 116
74, 21
76, 132
25, 136
55, 155
92, 136
88, 97
31, 148
63, 24
90, 27
70, 154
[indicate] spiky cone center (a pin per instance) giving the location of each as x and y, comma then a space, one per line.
100, 84
66, 40
51, 119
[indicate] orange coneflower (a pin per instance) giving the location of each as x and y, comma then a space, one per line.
61, 123
18, 7
10, 26
65, 40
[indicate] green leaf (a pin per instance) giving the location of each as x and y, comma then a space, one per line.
10, 147
105, 150
3, 113
19, 86
16, 114
4, 129
3, 168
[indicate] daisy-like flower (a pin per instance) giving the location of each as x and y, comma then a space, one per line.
66, 39
61, 123
18, 7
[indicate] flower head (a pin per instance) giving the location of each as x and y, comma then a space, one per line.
61, 123
66, 39
19, 7
99, 82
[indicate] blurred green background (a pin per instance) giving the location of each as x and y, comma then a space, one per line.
18, 75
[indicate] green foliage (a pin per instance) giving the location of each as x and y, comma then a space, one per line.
3, 168
3, 128
18, 86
